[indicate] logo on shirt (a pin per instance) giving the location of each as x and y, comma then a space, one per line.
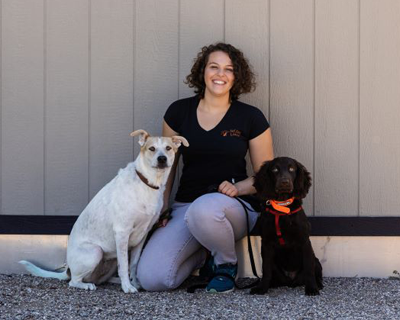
231, 133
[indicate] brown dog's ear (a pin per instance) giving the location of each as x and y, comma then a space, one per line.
178, 140
264, 182
302, 183
143, 136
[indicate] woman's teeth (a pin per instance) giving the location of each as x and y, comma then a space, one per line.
218, 82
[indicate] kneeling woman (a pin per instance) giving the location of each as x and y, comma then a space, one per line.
207, 220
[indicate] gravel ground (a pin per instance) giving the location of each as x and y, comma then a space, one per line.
27, 297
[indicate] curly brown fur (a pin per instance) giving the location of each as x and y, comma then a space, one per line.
244, 76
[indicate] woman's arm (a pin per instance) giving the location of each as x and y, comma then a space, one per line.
261, 150
168, 132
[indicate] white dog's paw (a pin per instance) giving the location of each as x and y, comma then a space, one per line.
82, 285
128, 288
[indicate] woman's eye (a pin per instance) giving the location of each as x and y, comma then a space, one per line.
152, 149
168, 148
229, 70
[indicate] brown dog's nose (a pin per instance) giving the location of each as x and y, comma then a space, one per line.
285, 182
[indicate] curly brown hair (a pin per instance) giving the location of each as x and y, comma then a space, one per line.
244, 77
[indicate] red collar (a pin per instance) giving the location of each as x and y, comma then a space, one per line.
282, 209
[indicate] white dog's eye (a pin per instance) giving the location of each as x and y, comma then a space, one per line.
152, 149
168, 148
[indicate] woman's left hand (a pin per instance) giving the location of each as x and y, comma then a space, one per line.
228, 189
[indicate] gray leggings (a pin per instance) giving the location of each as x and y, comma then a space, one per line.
213, 221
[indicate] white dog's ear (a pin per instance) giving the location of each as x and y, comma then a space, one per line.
178, 140
143, 136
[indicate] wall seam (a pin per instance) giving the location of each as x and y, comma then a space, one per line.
89, 94
1, 107
269, 61
179, 45
359, 112
314, 107
224, 26
44, 103
133, 71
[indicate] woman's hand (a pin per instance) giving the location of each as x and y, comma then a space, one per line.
228, 189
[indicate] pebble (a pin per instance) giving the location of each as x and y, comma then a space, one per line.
26, 297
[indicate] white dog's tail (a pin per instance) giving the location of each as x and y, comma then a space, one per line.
36, 271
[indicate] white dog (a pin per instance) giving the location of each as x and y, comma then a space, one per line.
118, 219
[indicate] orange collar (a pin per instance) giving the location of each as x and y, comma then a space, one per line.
281, 206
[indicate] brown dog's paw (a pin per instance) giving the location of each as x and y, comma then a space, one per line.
259, 290
311, 291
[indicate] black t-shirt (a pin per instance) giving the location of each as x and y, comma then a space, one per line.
215, 155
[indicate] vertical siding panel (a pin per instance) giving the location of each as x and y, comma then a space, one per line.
336, 111
202, 23
67, 107
252, 39
379, 108
22, 107
292, 81
156, 63
111, 102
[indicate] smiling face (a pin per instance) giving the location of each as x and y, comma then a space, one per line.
218, 74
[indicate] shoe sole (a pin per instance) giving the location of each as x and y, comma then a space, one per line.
215, 291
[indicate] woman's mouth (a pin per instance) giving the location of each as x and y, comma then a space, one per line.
219, 82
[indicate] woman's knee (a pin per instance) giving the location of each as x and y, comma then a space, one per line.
154, 277
204, 210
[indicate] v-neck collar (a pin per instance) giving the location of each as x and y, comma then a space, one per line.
197, 102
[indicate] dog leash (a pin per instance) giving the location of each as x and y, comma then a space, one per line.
249, 247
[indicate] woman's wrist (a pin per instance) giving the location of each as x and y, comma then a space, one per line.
245, 187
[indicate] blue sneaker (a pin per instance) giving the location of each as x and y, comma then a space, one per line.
224, 279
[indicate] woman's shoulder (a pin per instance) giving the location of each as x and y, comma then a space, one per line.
179, 111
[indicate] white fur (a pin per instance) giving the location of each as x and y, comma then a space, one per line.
118, 219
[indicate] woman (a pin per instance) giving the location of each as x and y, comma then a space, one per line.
220, 131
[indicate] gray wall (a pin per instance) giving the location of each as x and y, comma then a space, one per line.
78, 76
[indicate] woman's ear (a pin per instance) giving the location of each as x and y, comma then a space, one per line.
264, 183
302, 182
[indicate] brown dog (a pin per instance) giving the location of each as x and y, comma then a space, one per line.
287, 254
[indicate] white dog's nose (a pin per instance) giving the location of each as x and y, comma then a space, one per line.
162, 161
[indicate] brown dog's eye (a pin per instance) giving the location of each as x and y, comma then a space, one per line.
168, 148
152, 149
